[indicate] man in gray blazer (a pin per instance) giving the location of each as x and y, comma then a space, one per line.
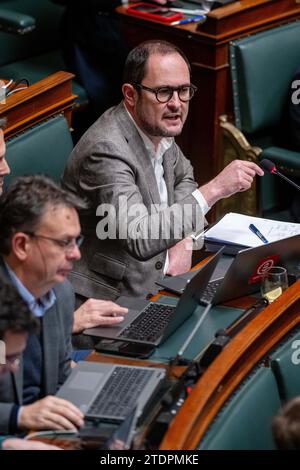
39, 241
129, 170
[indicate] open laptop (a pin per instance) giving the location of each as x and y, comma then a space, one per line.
153, 322
109, 392
242, 274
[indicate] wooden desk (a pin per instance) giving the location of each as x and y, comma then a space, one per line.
207, 48
43, 99
224, 374
228, 370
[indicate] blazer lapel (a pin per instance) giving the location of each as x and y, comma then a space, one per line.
50, 351
148, 170
139, 152
50, 358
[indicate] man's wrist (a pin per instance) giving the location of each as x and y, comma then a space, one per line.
201, 201
77, 325
22, 424
210, 192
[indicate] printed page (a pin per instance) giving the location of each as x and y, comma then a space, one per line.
234, 228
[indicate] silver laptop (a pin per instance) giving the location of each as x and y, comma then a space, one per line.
153, 322
109, 392
242, 274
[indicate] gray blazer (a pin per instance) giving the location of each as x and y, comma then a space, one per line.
57, 330
110, 161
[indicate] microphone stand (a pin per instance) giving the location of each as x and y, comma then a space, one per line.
179, 355
193, 370
287, 179
270, 167
179, 359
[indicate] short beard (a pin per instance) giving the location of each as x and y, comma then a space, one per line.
156, 131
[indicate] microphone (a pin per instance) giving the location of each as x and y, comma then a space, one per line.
270, 167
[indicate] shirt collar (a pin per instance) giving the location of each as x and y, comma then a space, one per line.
37, 306
163, 146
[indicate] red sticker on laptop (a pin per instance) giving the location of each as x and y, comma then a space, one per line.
262, 268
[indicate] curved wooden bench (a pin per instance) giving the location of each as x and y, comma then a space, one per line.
230, 368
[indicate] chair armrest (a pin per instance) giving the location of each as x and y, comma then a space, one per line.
244, 150
235, 145
15, 22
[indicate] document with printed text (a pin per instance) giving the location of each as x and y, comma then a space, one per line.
233, 228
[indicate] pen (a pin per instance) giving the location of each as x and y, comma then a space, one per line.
188, 12
193, 19
258, 233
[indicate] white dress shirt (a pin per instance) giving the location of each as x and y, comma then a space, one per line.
156, 156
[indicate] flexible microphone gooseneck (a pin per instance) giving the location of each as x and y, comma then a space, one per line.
270, 167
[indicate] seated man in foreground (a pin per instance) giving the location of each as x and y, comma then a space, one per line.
16, 323
39, 238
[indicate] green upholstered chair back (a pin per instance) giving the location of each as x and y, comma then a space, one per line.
244, 422
285, 362
37, 54
44, 38
262, 67
43, 148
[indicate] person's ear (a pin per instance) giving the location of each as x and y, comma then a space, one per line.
20, 245
130, 94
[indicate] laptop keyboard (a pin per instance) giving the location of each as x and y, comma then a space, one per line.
210, 291
120, 393
149, 325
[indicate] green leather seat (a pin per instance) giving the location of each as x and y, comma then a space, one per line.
38, 67
43, 148
262, 67
36, 54
285, 362
244, 422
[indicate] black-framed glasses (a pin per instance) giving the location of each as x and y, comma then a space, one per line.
165, 93
66, 245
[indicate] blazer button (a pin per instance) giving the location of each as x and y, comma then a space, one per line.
158, 265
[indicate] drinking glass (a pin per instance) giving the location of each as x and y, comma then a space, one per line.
274, 283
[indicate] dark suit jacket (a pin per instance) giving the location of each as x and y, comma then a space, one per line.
110, 161
57, 330
94, 49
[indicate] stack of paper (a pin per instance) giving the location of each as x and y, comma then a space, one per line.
233, 230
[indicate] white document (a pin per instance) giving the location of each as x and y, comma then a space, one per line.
233, 228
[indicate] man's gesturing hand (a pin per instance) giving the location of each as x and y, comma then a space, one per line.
236, 177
